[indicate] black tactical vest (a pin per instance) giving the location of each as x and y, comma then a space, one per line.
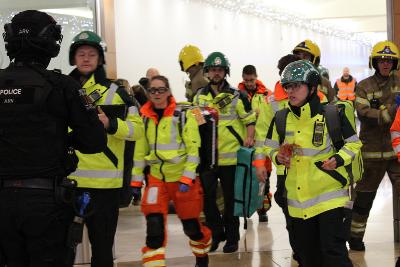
28, 137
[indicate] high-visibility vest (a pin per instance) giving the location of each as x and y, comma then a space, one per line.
346, 90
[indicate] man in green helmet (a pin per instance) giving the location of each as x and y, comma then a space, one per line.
317, 182
102, 174
236, 124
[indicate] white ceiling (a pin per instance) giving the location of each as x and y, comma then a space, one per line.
348, 15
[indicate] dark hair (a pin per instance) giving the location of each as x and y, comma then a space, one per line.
161, 78
249, 70
140, 94
286, 60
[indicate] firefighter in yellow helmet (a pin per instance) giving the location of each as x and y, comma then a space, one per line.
309, 50
376, 108
191, 61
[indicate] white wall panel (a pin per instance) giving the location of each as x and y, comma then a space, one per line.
150, 33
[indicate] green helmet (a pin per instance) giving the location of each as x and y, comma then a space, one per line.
216, 59
87, 38
301, 71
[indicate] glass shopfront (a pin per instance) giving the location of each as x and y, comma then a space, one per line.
73, 15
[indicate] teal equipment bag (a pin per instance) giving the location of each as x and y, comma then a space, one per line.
247, 190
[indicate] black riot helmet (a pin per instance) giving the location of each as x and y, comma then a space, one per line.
32, 33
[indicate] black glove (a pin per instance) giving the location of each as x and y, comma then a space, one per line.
136, 195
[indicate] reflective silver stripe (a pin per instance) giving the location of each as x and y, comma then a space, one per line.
395, 89
259, 156
376, 94
139, 163
289, 133
397, 149
189, 174
98, 173
193, 159
312, 152
316, 200
271, 143
271, 154
394, 134
137, 178
130, 127
362, 101
259, 143
174, 130
110, 94
352, 139
275, 106
229, 117
153, 161
349, 152
175, 160
133, 110
377, 155
235, 100
227, 155
246, 115
167, 146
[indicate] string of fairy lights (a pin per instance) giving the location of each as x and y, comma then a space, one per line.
72, 24
262, 11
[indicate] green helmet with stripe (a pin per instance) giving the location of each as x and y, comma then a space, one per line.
301, 71
216, 59
87, 38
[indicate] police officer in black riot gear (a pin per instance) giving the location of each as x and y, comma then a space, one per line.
37, 106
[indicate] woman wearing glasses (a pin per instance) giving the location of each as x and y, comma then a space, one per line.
170, 148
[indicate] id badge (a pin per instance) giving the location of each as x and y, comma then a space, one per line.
152, 195
318, 136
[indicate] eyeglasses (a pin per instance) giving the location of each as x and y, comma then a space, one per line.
160, 90
295, 86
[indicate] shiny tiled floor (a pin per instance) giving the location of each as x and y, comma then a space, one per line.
267, 243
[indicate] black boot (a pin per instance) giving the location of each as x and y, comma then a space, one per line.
231, 247
356, 244
202, 261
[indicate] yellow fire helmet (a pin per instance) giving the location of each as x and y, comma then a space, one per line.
190, 55
385, 49
310, 47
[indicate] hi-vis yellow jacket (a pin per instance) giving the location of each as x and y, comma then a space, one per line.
234, 115
105, 170
310, 189
170, 145
277, 101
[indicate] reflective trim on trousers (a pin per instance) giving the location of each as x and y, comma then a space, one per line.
378, 155
396, 149
316, 200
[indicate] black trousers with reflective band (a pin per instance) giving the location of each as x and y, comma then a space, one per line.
321, 240
102, 224
33, 228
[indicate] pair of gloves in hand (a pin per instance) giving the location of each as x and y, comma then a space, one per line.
137, 191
